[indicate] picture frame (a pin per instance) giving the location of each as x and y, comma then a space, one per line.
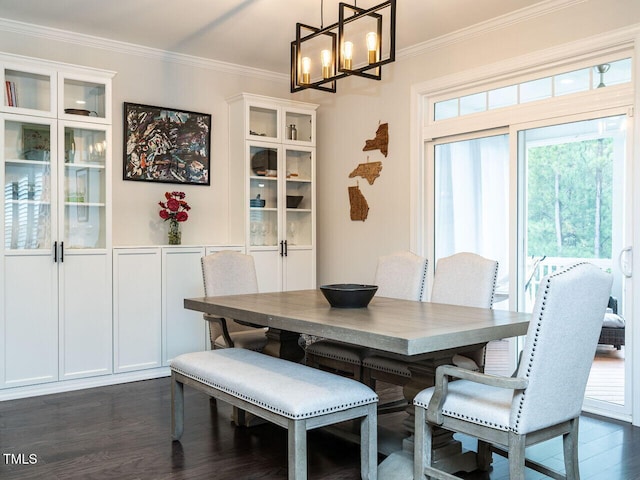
36, 142
166, 145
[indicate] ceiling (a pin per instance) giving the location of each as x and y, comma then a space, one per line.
255, 33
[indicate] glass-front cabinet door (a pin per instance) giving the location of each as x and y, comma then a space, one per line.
264, 198
28, 90
86, 97
299, 126
27, 180
299, 196
84, 186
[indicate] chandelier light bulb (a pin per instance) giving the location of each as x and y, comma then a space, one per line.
306, 70
348, 55
325, 56
372, 46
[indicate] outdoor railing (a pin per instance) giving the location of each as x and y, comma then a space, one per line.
539, 268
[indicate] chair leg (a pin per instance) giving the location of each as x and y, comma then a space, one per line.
177, 408
485, 456
570, 444
422, 444
516, 456
297, 448
369, 444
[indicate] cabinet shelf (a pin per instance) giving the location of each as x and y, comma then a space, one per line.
19, 161
85, 204
26, 202
263, 209
84, 165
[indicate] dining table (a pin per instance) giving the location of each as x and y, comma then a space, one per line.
424, 334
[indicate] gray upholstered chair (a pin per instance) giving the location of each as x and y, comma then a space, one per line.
544, 397
469, 280
463, 279
230, 273
399, 275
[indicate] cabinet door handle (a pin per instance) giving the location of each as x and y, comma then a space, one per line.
281, 248
61, 252
286, 249
55, 252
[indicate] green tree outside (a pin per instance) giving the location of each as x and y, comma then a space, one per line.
569, 189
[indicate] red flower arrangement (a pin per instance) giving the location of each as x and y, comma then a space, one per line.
175, 208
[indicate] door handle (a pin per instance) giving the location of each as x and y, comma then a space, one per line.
625, 261
285, 248
282, 248
55, 252
61, 252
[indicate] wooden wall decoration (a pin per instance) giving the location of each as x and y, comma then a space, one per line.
359, 206
381, 140
368, 171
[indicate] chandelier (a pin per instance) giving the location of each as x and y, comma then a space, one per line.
360, 43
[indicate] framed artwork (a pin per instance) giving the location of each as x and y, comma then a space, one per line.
166, 145
36, 142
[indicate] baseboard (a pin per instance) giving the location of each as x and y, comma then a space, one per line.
82, 383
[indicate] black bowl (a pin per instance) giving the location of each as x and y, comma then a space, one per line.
294, 200
349, 295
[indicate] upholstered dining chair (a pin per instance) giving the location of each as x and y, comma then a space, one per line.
544, 397
463, 279
230, 273
399, 275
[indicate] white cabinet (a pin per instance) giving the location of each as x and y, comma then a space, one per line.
151, 325
272, 148
182, 330
137, 308
55, 248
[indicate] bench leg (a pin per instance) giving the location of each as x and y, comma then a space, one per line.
369, 444
177, 408
297, 449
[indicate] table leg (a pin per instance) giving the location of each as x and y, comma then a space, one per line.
448, 454
283, 344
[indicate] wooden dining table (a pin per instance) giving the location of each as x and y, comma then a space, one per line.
423, 334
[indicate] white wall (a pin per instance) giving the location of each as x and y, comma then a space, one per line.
347, 250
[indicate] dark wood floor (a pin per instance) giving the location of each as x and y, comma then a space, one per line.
122, 432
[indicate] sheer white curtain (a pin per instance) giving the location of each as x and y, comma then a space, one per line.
472, 199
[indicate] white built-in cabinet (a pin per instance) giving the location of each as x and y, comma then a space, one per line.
272, 155
55, 250
137, 308
151, 325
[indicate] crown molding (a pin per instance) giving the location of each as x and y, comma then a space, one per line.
116, 46
608, 43
543, 8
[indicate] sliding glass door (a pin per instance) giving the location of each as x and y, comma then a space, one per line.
572, 208
538, 197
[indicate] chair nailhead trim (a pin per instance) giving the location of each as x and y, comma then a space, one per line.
266, 406
530, 363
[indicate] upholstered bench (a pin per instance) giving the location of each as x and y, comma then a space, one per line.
288, 394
